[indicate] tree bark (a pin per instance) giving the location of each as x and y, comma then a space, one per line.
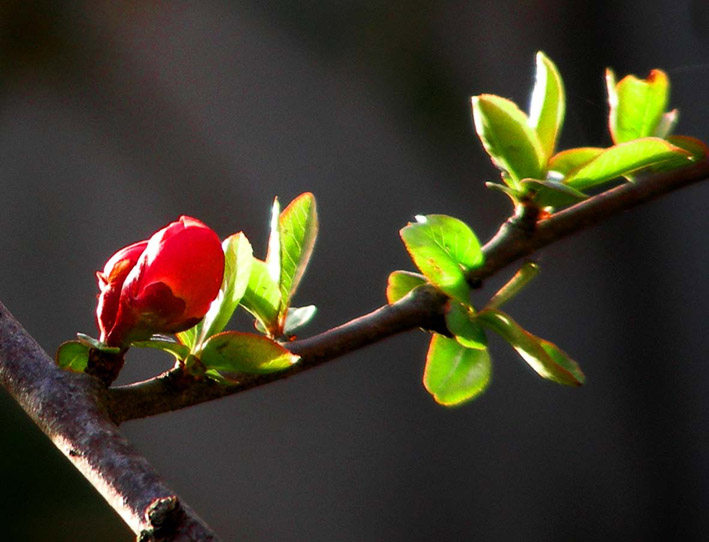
68, 408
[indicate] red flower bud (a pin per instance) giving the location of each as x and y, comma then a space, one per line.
163, 285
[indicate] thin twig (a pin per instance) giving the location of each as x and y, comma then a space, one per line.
423, 308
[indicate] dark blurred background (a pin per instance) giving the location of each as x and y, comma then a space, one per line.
118, 116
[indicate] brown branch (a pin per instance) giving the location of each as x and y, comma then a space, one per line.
423, 308
68, 408
75, 410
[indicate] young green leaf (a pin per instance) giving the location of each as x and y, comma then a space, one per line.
273, 254
553, 193
95, 343
72, 356
512, 193
513, 145
566, 161
262, 297
695, 147
180, 351
460, 321
546, 110
547, 359
232, 352
667, 124
454, 373
514, 286
443, 248
298, 229
189, 336
400, 283
238, 258
238, 261
297, 317
636, 105
624, 160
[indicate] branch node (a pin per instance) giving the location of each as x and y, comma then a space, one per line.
105, 366
525, 218
164, 514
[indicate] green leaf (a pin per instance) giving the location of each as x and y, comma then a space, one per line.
514, 194
297, 317
667, 123
460, 321
232, 352
624, 160
238, 260
189, 336
400, 283
553, 193
636, 105
262, 297
544, 357
180, 351
566, 161
562, 359
72, 356
444, 249
453, 373
695, 147
512, 144
273, 254
95, 343
514, 286
298, 229
546, 110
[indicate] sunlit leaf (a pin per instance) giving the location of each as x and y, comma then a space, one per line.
515, 285
625, 159
512, 144
189, 336
454, 373
544, 357
636, 105
695, 147
460, 321
667, 123
273, 254
443, 248
546, 111
262, 297
72, 356
400, 283
566, 161
562, 359
238, 258
298, 229
512, 193
231, 352
297, 317
553, 193
95, 343
180, 351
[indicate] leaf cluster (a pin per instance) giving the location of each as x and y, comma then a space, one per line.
458, 365
523, 146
